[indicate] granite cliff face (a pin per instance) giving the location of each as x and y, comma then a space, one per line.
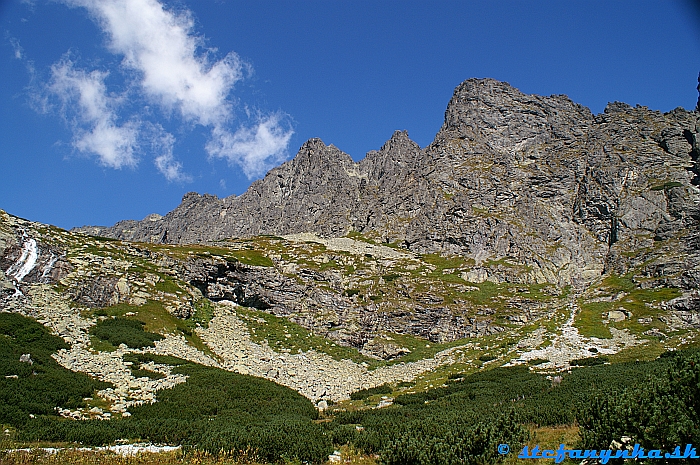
532, 189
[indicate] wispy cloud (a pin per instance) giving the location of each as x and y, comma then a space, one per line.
171, 67
161, 46
91, 110
19, 51
162, 144
254, 148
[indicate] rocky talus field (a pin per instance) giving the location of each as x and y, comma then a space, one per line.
530, 233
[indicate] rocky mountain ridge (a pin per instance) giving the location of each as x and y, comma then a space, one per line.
541, 183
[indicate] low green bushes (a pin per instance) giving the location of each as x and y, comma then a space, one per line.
656, 403
118, 331
465, 421
454, 442
215, 410
589, 361
365, 393
660, 413
37, 388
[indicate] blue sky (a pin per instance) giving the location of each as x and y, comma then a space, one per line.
113, 109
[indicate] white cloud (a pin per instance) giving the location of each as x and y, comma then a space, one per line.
162, 143
161, 47
171, 169
168, 65
94, 119
19, 51
256, 148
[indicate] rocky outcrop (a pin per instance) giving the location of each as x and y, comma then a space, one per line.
333, 287
327, 312
25, 259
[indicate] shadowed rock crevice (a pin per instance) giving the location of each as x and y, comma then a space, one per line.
218, 280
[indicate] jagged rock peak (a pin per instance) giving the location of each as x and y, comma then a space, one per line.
153, 217
316, 151
398, 150
477, 87
399, 140
617, 107
313, 144
192, 197
485, 95
494, 112
488, 90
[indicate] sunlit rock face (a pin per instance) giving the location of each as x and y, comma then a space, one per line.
533, 189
